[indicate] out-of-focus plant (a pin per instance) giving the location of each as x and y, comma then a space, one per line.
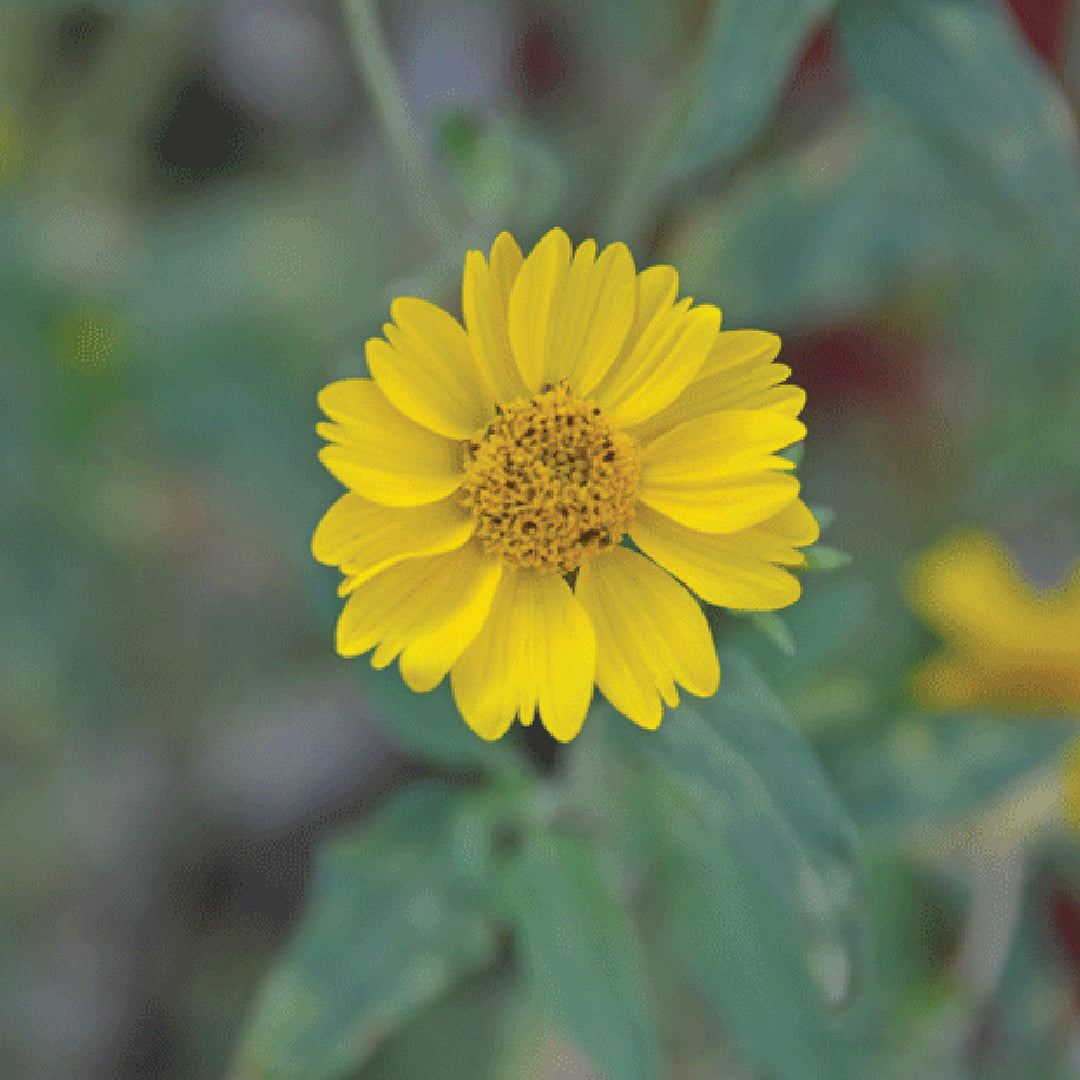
806, 873
553, 882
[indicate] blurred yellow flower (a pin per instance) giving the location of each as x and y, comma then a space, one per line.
1008, 644
493, 470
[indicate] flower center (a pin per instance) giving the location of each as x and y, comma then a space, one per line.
550, 481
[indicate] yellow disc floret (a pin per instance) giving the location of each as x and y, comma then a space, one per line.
550, 481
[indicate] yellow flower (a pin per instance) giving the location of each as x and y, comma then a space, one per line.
1008, 645
493, 470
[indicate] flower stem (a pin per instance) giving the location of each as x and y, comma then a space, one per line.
641, 182
392, 114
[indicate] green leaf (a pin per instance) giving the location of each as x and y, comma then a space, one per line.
752, 721
511, 175
431, 726
750, 51
463, 1035
829, 230
830, 612
721, 104
795, 454
923, 768
384, 934
1000, 123
581, 956
775, 628
771, 870
748, 958
961, 67
823, 558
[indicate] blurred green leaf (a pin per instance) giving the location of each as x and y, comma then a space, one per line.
509, 173
384, 934
581, 956
775, 628
748, 957
827, 616
795, 454
924, 767
749, 808
300, 253
829, 230
962, 68
821, 557
431, 726
746, 60
462, 1036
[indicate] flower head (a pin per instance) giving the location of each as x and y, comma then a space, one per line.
494, 471
1008, 645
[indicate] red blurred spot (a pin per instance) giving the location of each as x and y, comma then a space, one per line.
1043, 24
818, 56
820, 66
542, 53
1063, 913
848, 364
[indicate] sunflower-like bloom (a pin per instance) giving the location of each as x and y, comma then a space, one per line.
494, 469
1008, 645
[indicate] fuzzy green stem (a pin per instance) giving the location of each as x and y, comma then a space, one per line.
394, 119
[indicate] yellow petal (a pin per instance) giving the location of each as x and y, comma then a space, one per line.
726, 506
665, 357
534, 306
537, 650
650, 635
569, 317
793, 527
724, 444
347, 585
656, 289
458, 605
787, 399
427, 610
595, 311
744, 389
734, 570
381, 454
740, 348
946, 682
363, 537
427, 370
485, 299
967, 588
716, 474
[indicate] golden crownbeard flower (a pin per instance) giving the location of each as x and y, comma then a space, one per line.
1008, 645
493, 471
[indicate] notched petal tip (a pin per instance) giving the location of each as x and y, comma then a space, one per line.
426, 368
651, 635
536, 651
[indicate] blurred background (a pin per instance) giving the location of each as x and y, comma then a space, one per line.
205, 210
